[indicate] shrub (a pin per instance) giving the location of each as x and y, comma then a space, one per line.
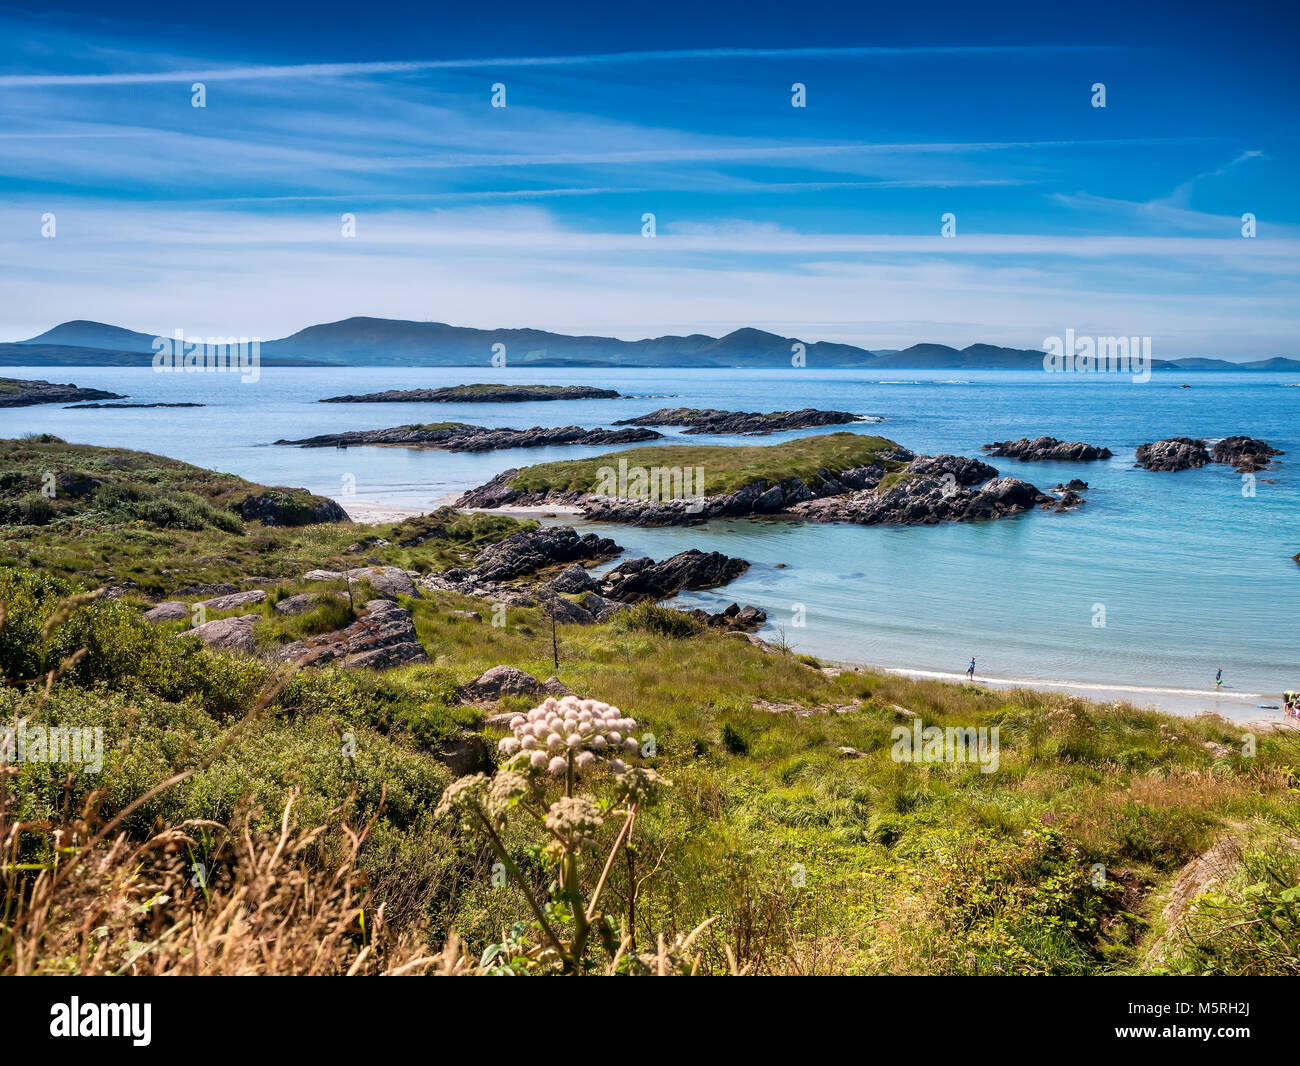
664, 621
30, 510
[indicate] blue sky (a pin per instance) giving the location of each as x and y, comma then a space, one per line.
821, 222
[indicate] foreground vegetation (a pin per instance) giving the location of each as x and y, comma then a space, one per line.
252, 820
807, 858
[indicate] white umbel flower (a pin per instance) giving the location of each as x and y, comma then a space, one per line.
585, 732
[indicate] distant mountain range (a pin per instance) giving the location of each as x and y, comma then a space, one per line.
393, 342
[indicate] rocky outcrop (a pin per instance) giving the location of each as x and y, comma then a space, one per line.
928, 501
644, 579
1247, 454
756, 498
387, 581
1047, 449
603, 608
1174, 453
1065, 501
481, 394
384, 636
553, 686
566, 612
500, 681
574, 580
168, 611
22, 392
964, 470
466, 583
1073, 485
300, 603
458, 437
533, 550
733, 617
500, 493
290, 507
710, 420
232, 600
229, 634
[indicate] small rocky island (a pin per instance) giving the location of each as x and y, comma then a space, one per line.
840, 477
125, 406
459, 437
21, 392
481, 394
1047, 449
749, 423
1247, 454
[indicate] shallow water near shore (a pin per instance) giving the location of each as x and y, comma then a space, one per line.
1188, 573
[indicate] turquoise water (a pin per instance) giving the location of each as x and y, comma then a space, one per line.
1192, 574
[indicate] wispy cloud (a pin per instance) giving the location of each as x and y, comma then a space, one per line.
821, 221
355, 69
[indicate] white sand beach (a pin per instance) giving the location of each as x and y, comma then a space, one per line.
1239, 707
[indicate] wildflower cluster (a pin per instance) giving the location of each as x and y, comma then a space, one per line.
571, 730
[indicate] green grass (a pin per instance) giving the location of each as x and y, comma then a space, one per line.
903, 868
726, 468
121, 516
115, 486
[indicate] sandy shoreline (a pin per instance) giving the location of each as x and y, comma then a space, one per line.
1239, 707
374, 514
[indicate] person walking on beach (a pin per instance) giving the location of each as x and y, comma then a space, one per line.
1218, 678
970, 670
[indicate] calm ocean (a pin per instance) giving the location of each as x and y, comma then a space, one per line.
1192, 574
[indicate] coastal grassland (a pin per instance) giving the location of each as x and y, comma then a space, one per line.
811, 858
726, 468
98, 492
125, 517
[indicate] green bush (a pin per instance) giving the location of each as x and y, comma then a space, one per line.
30, 510
661, 620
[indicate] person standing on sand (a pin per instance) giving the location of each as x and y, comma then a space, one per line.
970, 670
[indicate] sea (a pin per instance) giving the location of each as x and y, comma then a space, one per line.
1159, 581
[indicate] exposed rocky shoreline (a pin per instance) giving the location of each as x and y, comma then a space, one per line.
929, 498
757, 498
749, 423
459, 437
22, 392
928, 490
1047, 449
481, 394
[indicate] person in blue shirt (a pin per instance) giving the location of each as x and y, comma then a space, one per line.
970, 670
1218, 678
